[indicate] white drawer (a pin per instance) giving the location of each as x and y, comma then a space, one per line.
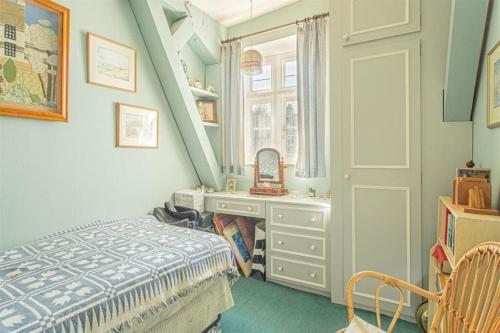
306, 246
240, 207
298, 272
297, 217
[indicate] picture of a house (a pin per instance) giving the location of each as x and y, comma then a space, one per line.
28, 54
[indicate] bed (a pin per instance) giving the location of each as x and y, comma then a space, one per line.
124, 275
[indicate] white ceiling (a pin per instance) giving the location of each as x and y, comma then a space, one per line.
231, 12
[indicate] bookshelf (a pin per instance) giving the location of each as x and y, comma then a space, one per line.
457, 232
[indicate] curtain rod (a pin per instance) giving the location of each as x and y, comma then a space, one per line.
307, 19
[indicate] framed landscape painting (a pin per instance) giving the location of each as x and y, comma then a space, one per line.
110, 64
136, 126
34, 55
494, 86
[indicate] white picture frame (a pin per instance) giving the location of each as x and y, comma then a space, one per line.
111, 64
136, 126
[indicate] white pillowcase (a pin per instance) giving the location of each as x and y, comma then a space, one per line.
358, 325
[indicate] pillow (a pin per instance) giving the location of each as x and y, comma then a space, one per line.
358, 325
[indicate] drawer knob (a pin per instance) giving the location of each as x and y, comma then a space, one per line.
346, 37
313, 220
280, 216
280, 242
280, 268
313, 275
313, 247
223, 205
249, 208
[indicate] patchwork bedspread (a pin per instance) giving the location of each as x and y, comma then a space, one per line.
100, 276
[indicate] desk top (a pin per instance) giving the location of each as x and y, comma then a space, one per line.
284, 199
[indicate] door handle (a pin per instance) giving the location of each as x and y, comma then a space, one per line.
347, 176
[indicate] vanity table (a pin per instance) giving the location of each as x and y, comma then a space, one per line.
297, 235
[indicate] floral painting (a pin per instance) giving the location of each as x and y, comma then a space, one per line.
33, 59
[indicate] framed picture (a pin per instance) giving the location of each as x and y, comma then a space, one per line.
111, 64
494, 86
207, 109
235, 239
136, 126
231, 185
34, 55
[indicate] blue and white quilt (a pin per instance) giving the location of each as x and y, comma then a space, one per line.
99, 277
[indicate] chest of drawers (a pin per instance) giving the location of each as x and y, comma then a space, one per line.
297, 241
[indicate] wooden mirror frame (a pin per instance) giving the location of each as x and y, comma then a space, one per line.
256, 177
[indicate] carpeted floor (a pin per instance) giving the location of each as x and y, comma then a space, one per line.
263, 307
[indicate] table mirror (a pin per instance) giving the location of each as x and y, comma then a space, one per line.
269, 175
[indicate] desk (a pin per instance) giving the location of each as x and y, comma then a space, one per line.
297, 235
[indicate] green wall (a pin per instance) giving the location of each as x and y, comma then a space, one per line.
295, 11
56, 175
487, 141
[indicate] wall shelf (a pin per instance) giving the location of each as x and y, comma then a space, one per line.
203, 93
207, 124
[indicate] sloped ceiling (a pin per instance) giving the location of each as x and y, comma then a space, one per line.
232, 12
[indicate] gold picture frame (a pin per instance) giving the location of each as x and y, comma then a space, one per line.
231, 185
34, 84
207, 108
136, 126
111, 64
493, 78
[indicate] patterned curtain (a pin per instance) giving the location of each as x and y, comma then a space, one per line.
311, 98
233, 148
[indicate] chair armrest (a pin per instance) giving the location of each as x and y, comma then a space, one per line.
386, 281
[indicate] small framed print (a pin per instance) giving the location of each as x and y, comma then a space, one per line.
494, 86
136, 126
207, 109
231, 185
111, 64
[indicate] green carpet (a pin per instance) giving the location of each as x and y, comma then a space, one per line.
264, 307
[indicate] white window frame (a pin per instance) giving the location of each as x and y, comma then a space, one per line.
278, 97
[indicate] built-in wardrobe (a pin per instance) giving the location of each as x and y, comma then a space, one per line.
387, 72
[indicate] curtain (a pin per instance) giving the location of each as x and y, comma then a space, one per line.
311, 98
233, 148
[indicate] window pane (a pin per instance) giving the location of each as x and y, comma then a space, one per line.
261, 127
291, 68
263, 81
290, 81
262, 85
290, 128
290, 74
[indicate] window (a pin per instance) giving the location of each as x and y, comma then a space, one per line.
290, 74
10, 49
263, 81
10, 32
271, 103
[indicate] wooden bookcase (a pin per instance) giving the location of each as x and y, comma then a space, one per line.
468, 231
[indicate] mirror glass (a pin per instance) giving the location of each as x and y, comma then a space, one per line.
268, 160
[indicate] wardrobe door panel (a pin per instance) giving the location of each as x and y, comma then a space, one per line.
366, 20
382, 166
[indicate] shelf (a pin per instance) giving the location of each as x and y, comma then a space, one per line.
206, 124
203, 93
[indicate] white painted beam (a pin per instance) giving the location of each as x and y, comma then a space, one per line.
164, 55
467, 25
182, 31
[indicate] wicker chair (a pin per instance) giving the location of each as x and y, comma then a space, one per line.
469, 303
